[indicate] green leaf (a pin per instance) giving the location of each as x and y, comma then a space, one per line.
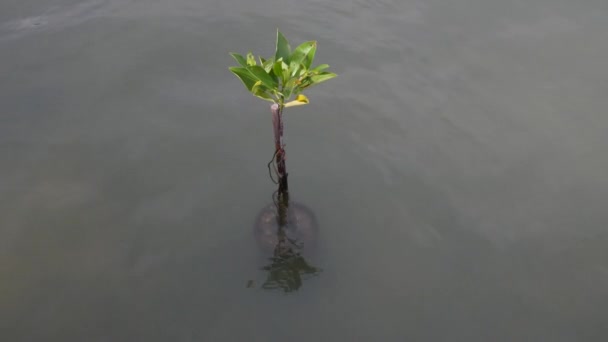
261, 91
322, 77
263, 76
277, 68
268, 64
299, 54
286, 73
306, 82
296, 91
269, 68
289, 88
250, 59
302, 70
256, 86
287, 93
245, 76
265, 97
293, 68
262, 60
283, 49
240, 59
320, 68
310, 56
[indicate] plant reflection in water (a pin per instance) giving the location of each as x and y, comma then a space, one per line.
286, 228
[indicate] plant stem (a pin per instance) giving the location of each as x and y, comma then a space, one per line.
277, 123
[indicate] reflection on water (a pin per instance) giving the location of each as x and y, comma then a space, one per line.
286, 228
287, 268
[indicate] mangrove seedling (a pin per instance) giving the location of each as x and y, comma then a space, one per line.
278, 79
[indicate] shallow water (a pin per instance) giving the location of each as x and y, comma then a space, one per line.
457, 168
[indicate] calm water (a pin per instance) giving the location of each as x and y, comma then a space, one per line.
457, 168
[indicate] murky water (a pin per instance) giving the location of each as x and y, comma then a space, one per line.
457, 169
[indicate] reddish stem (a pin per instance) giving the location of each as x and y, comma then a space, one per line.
279, 145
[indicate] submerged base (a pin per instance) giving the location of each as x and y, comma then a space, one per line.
301, 228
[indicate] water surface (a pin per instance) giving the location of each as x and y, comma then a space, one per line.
457, 168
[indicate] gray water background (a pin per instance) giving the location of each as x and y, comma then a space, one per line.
458, 168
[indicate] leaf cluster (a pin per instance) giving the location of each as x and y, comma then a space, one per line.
283, 75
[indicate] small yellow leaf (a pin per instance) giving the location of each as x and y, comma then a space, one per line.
299, 101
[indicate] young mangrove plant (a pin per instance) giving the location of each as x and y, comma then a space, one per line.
278, 79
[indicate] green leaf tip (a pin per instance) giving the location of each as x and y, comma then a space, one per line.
283, 50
